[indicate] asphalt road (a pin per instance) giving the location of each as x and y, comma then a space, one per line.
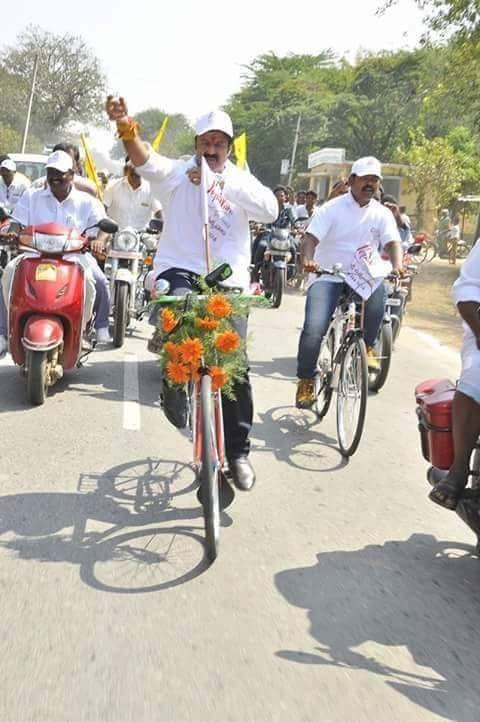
340, 593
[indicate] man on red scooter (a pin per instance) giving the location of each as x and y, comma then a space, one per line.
60, 203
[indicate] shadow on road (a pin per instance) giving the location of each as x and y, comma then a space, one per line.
97, 379
280, 368
129, 556
294, 437
419, 594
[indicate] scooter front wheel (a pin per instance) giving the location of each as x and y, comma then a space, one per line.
37, 377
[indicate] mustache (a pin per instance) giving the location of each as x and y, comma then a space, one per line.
210, 156
368, 188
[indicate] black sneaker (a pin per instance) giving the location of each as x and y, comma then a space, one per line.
175, 405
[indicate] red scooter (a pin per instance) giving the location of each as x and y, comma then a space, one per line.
434, 411
47, 305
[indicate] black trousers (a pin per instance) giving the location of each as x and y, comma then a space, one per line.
238, 414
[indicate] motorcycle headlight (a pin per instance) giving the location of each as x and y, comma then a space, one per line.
279, 244
126, 241
149, 241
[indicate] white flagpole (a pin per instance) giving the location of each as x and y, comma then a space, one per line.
204, 195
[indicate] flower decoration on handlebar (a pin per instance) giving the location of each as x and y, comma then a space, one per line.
199, 333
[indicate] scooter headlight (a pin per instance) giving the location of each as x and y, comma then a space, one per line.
47, 243
126, 241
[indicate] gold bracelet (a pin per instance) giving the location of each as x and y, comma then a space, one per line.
128, 130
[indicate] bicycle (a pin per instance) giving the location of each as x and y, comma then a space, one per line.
342, 367
205, 421
426, 251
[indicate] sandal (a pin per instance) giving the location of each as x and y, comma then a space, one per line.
447, 493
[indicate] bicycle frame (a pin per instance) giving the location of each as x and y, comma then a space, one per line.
347, 320
196, 421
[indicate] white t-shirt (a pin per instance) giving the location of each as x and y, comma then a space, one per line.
130, 206
302, 212
79, 210
235, 198
342, 226
10, 195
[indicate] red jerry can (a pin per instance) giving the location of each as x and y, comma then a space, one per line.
434, 410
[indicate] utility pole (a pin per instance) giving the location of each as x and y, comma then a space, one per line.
30, 101
294, 150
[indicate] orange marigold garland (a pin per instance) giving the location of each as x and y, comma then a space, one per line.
219, 377
206, 324
227, 342
191, 350
201, 333
177, 373
172, 350
169, 320
219, 306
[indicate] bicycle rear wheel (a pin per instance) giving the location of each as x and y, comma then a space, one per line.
352, 396
209, 469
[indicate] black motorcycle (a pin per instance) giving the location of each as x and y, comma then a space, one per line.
276, 247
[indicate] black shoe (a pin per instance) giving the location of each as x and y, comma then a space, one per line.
175, 406
242, 472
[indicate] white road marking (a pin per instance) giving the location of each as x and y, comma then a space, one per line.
131, 405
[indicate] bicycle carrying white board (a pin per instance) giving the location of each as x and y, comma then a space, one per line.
367, 271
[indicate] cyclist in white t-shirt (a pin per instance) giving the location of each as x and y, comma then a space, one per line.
340, 228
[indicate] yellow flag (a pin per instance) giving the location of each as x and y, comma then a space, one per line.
240, 149
159, 137
90, 169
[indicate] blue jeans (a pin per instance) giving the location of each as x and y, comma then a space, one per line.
322, 299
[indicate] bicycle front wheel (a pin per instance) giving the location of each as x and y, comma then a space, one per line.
352, 396
209, 469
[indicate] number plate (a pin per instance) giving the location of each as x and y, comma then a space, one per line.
46, 272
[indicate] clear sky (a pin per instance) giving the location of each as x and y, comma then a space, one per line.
187, 56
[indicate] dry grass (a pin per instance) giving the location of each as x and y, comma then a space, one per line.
432, 309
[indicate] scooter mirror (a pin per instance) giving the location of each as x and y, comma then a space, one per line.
108, 226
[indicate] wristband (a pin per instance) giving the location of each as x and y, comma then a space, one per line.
127, 129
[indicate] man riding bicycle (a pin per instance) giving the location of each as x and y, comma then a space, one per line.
350, 227
234, 198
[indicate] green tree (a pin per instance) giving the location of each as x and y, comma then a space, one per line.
381, 104
10, 139
70, 83
445, 16
275, 92
434, 172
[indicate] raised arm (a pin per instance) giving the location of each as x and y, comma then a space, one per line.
128, 130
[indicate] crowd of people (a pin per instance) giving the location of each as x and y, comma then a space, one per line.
357, 223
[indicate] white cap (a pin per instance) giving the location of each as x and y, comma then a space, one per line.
60, 161
8, 164
367, 166
216, 120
